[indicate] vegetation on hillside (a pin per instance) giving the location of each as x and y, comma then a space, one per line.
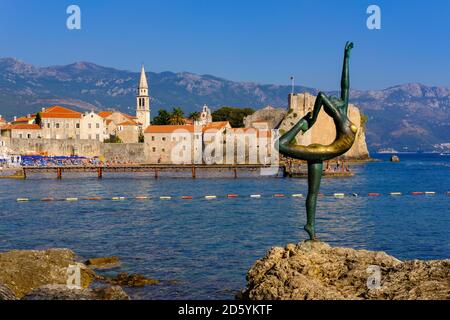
234, 115
364, 119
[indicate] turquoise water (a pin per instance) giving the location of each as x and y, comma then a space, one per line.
207, 246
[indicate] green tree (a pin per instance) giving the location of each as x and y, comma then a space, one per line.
364, 119
38, 119
234, 115
113, 138
141, 138
195, 116
177, 117
163, 118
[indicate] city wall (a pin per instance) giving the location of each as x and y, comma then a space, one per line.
124, 152
118, 152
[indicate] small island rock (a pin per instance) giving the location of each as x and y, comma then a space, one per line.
103, 262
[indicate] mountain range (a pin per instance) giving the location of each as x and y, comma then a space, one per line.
407, 117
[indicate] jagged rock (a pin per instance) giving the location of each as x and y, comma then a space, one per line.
273, 117
6, 293
111, 293
25, 270
62, 292
313, 270
132, 280
103, 262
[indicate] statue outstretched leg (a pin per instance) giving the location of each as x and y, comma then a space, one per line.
315, 153
305, 123
314, 176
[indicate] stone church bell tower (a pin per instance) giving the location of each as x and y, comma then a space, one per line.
143, 101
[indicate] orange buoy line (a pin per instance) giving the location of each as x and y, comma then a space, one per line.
278, 195
374, 194
336, 195
94, 198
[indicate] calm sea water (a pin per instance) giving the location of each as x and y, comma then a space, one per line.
207, 246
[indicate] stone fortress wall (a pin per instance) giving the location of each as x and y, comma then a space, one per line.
55, 147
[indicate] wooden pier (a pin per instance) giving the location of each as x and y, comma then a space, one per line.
155, 169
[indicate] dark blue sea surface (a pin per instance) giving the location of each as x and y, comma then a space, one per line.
207, 246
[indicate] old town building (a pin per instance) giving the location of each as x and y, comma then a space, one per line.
175, 144
92, 127
60, 123
21, 131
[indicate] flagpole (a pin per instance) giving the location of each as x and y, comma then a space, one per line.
293, 84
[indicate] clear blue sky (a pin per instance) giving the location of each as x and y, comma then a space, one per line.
263, 41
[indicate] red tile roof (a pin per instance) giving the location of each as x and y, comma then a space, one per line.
60, 112
21, 126
259, 133
171, 128
25, 118
189, 121
128, 123
218, 125
106, 114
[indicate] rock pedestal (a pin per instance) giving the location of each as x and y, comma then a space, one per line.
313, 270
6, 293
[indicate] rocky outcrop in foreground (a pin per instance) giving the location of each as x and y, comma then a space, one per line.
313, 270
42, 275
6, 293
25, 270
62, 292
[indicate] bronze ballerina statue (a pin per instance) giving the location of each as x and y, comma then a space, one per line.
316, 154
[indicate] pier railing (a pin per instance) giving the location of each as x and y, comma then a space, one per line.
156, 169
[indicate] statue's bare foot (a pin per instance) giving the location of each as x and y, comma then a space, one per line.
311, 231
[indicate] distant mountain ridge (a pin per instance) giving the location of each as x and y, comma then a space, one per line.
412, 116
